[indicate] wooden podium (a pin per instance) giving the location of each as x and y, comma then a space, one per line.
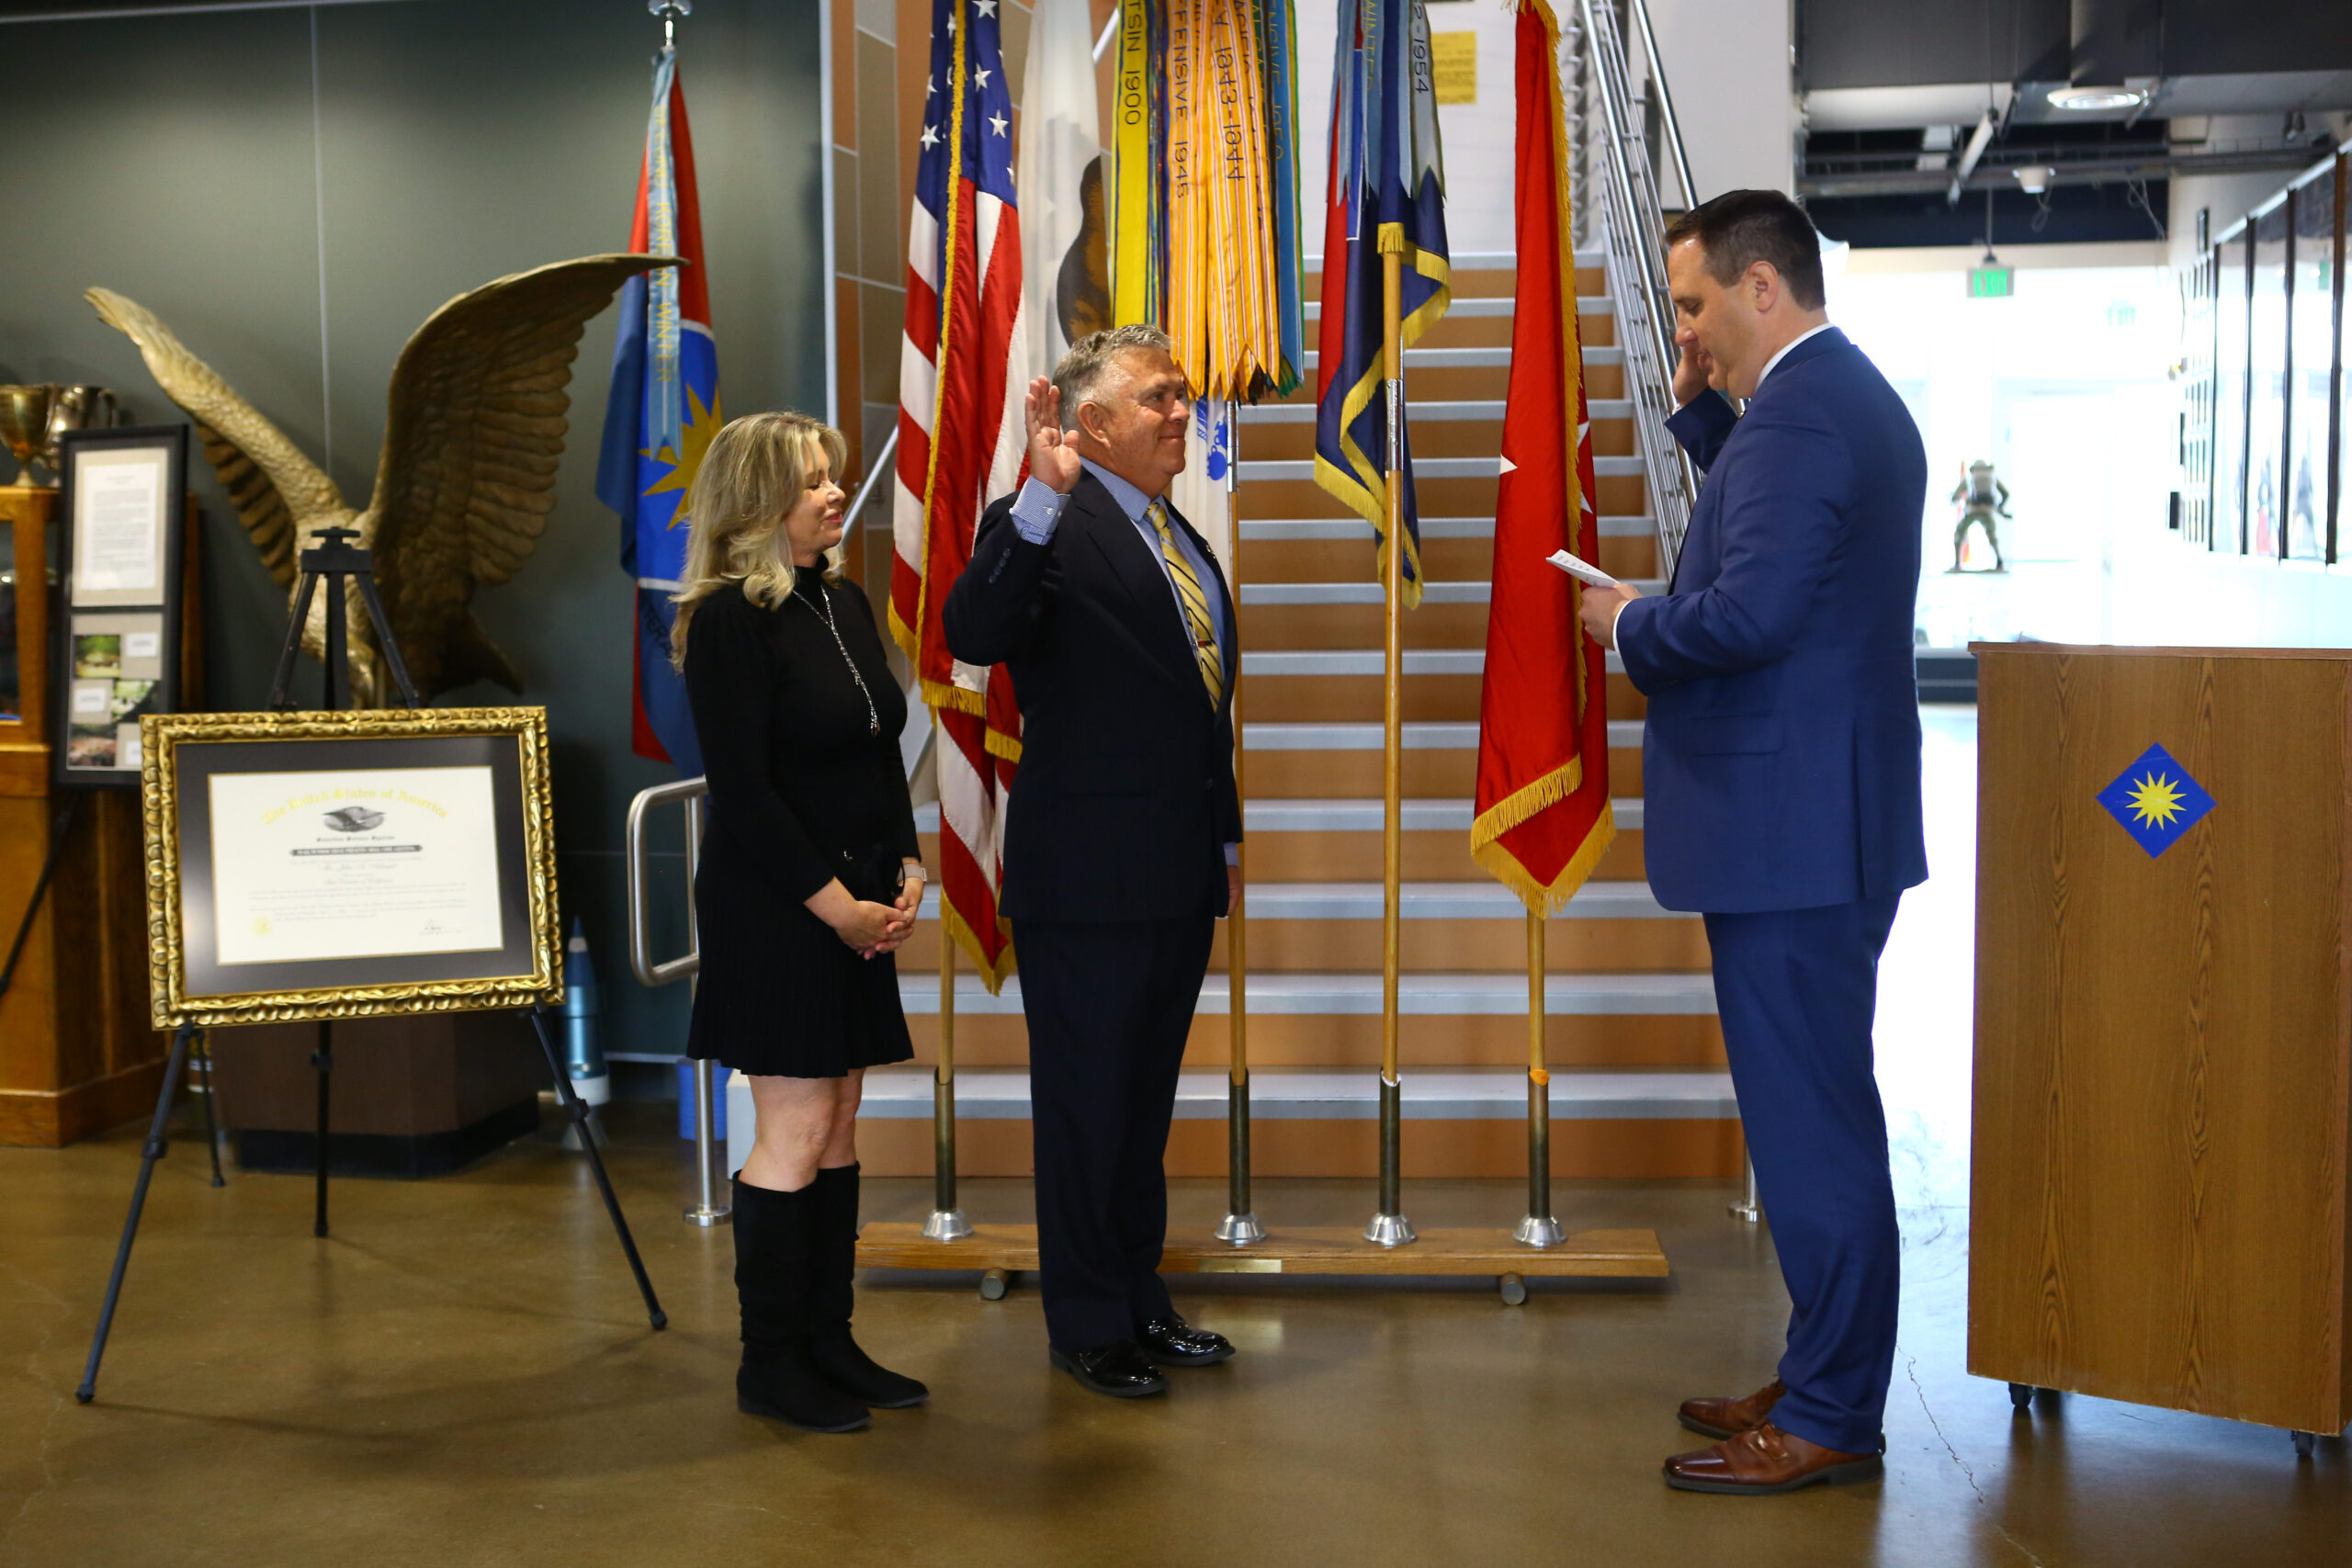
2163, 1041
77, 1052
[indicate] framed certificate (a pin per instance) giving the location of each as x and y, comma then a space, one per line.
120, 493
323, 865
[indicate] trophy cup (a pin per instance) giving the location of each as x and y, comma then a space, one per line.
25, 414
80, 408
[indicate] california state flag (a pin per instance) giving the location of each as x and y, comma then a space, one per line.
1544, 818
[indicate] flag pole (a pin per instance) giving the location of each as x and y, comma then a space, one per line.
1538, 1228
1389, 1227
1240, 1227
946, 1222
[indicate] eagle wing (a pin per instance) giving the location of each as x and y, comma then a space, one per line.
278, 490
471, 442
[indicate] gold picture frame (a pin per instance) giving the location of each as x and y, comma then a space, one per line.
210, 962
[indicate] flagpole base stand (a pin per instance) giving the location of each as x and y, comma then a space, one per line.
1539, 1231
1240, 1230
1749, 1209
709, 1215
946, 1224
1483, 1253
1390, 1230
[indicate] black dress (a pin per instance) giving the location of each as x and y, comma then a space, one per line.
804, 787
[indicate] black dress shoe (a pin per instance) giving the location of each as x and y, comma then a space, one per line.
1178, 1343
1119, 1368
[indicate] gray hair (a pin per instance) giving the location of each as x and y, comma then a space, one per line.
1079, 374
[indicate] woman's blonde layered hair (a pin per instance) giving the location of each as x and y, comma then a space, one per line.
754, 473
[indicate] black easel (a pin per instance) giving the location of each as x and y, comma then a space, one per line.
336, 560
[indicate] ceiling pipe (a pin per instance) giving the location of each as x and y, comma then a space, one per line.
1981, 139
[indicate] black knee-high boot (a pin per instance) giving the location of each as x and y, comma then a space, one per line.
831, 1298
775, 1266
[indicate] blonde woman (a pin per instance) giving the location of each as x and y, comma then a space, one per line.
810, 879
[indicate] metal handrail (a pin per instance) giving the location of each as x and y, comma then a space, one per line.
712, 1203
876, 472
691, 792
1633, 226
1667, 123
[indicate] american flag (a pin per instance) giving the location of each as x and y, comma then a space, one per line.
962, 372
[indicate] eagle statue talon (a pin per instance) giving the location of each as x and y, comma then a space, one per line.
474, 429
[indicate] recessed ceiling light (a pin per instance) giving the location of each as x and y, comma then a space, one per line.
2088, 100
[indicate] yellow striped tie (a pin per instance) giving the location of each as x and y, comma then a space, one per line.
1196, 606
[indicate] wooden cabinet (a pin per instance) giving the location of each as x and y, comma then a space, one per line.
2162, 1040
76, 1054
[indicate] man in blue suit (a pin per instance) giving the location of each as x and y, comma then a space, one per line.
1781, 766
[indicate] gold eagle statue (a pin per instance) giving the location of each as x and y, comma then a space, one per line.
472, 436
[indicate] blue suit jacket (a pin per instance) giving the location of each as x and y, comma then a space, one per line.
1781, 762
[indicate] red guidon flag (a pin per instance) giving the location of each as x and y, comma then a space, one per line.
962, 371
1544, 818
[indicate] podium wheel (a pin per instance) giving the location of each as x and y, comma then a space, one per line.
2021, 1398
2304, 1443
993, 1284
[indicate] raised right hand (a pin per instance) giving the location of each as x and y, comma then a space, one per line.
1053, 461
1693, 374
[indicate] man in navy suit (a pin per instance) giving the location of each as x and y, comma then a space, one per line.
1122, 833
1781, 766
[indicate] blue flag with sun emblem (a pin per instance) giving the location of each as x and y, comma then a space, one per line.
661, 414
2155, 800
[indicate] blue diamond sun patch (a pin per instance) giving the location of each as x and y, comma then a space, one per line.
2155, 800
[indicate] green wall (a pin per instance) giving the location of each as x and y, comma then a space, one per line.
200, 165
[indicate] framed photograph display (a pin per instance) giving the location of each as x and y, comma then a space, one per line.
326, 865
120, 498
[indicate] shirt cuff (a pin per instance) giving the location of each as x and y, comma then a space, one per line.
1614, 619
1036, 511
1233, 854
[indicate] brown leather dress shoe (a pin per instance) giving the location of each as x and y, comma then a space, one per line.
1730, 1417
1764, 1462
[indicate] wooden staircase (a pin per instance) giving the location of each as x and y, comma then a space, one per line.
1638, 1086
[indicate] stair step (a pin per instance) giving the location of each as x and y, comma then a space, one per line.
1304, 413
1611, 527
1587, 305
1427, 467
1447, 901
1460, 262
1309, 815
1439, 996
1418, 736
1373, 593
1583, 1094
1471, 358
1373, 662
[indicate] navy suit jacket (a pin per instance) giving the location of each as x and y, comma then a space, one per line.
1126, 799
1780, 761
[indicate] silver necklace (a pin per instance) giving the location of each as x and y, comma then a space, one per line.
873, 720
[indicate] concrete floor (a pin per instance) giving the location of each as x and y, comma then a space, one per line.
462, 1376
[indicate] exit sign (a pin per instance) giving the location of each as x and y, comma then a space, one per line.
1989, 282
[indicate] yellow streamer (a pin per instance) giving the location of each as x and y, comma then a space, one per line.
1132, 173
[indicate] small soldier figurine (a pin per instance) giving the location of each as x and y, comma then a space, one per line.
1983, 498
